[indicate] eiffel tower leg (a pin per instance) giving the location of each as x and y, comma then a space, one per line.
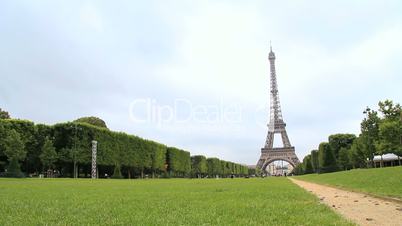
285, 139
260, 162
270, 140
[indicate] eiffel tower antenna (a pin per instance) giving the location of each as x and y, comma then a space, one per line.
276, 124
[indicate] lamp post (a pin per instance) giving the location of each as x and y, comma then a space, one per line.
93, 171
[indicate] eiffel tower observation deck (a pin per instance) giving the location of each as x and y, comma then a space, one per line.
269, 153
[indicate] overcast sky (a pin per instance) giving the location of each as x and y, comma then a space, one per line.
194, 74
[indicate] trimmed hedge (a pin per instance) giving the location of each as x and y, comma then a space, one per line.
198, 166
178, 162
117, 151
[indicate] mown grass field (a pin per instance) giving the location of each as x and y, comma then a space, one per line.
386, 182
269, 201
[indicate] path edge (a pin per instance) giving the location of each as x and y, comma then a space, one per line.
385, 198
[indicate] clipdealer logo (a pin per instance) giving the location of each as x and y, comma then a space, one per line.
147, 110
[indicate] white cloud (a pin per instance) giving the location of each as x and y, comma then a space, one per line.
222, 51
333, 59
91, 18
217, 51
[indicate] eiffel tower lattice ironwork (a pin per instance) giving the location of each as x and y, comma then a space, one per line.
269, 153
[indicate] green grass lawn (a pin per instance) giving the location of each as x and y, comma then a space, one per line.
269, 201
386, 182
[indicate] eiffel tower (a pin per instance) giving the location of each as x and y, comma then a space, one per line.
276, 124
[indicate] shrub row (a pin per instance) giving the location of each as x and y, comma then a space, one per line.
118, 154
212, 167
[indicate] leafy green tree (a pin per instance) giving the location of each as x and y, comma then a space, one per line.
369, 132
390, 135
315, 161
15, 151
343, 159
225, 168
26, 131
33, 162
78, 153
3, 135
92, 120
299, 169
308, 167
158, 158
389, 142
49, 155
117, 172
253, 171
4, 114
326, 158
214, 167
389, 110
146, 158
199, 165
339, 141
2, 156
245, 170
357, 155
14, 147
70, 155
179, 162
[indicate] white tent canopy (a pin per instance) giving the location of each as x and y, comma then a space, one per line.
385, 157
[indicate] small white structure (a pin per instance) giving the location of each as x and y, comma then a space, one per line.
389, 159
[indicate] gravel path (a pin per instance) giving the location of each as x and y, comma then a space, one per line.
359, 208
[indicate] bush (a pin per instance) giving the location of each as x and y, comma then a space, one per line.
14, 170
95, 121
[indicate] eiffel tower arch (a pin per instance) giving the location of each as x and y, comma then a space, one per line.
276, 125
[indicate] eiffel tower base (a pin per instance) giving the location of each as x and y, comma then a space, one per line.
269, 155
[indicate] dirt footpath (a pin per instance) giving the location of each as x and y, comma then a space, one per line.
360, 208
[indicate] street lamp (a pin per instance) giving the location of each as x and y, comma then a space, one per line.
93, 171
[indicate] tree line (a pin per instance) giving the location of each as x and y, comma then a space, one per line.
212, 167
65, 149
381, 133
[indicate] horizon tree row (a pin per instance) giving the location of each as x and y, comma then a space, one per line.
64, 149
213, 167
381, 133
